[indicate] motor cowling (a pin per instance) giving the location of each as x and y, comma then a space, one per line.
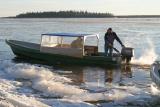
127, 54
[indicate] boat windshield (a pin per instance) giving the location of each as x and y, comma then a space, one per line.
77, 46
62, 42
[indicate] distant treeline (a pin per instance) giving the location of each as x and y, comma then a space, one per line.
64, 14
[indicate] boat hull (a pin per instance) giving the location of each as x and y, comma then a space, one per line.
155, 73
28, 50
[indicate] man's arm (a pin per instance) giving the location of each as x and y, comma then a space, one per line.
117, 38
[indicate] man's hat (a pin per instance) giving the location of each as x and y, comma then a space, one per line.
109, 28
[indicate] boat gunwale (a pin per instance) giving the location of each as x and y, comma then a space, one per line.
20, 45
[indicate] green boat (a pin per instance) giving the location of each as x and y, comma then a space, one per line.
68, 49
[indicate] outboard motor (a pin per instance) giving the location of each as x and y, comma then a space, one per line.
127, 54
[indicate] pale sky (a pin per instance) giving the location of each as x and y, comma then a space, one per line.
117, 7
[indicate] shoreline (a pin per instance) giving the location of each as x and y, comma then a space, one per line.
128, 16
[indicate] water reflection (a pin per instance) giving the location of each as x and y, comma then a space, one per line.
95, 77
126, 71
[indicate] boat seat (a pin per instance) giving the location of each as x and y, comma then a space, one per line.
91, 50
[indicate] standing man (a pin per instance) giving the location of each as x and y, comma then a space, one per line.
109, 38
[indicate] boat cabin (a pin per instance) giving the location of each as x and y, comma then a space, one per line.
69, 44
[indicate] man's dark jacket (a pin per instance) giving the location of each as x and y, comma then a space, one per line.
110, 37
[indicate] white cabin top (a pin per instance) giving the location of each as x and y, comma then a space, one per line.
72, 35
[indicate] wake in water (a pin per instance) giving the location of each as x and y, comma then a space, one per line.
148, 56
44, 81
154, 89
53, 85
